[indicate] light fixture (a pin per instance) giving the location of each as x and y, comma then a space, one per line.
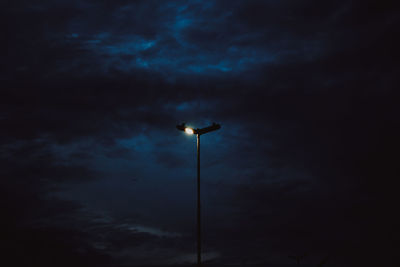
189, 130
198, 132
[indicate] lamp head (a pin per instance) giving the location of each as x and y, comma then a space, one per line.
189, 130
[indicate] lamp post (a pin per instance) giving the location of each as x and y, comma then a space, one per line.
198, 132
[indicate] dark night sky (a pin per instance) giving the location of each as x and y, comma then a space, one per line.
94, 173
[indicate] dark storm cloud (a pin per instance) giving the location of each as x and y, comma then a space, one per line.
305, 92
327, 119
29, 173
47, 229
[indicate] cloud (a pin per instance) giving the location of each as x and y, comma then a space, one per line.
148, 230
306, 157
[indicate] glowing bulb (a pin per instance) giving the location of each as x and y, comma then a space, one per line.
189, 131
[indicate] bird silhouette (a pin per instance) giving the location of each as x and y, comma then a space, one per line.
323, 262
298, 258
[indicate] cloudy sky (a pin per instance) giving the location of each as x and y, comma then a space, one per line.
93, 171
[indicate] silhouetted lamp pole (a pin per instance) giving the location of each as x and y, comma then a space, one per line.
198, 132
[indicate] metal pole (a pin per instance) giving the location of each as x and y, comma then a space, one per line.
198, 204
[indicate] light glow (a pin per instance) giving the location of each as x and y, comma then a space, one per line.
189, 130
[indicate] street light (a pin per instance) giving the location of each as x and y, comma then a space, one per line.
189, 130
198, 132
